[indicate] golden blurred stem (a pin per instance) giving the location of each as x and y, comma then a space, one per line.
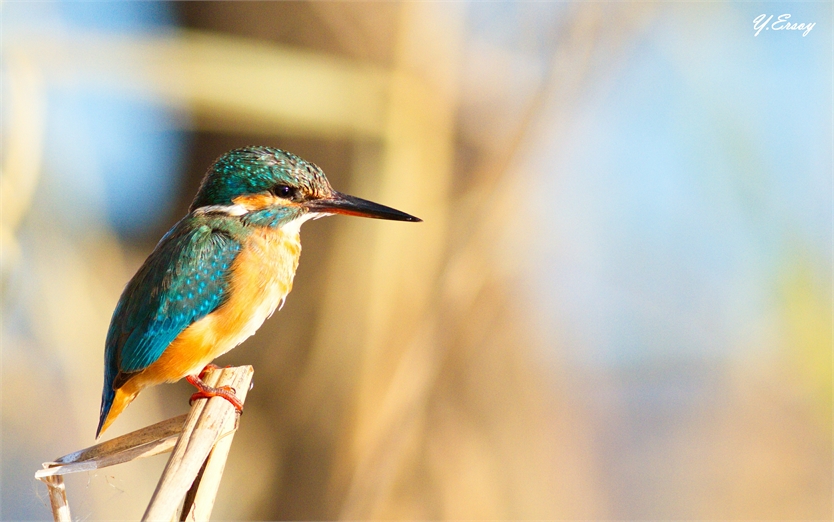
417, 168
199, 72
208, 421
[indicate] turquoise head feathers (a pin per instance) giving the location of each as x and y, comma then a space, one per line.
271, 187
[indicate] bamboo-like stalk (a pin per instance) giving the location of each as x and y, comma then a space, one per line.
200, 498
58, 498
208, 421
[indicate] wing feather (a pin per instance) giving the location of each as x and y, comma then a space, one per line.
182, 281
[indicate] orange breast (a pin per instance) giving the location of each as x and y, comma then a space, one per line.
261, 278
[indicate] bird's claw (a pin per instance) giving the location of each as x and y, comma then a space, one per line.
204, 391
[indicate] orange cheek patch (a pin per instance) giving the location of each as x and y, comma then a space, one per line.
258, 201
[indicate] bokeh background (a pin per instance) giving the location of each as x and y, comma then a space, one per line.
619, 305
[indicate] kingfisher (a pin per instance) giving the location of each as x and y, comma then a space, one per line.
218, 274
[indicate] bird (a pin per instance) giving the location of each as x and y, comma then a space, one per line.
218, 273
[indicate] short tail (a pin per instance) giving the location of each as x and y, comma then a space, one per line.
111, 407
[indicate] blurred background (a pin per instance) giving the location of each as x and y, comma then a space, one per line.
619, 305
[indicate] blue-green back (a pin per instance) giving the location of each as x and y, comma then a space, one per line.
182, 281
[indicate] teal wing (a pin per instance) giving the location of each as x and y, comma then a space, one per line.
182, 281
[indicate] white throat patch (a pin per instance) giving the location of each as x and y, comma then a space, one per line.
294, 226
229, 210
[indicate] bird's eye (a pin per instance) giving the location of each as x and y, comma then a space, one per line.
283, 191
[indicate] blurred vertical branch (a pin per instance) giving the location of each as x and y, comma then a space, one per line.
448, 395
22, 152
401, 352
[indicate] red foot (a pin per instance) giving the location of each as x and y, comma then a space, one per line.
204, 391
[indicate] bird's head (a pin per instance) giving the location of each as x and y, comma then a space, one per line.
271, 187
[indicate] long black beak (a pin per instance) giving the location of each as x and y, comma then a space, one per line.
339, 203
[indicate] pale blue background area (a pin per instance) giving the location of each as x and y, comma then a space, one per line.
103, 153
666, 214
114, 155
683, 184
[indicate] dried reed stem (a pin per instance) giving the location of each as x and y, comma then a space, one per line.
201, 442
200, 498
208, 421
148, 441
151, 440
58, 498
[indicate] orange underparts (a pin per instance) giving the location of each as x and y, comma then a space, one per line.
261, 277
